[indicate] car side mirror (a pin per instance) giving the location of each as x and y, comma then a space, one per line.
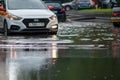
51, 7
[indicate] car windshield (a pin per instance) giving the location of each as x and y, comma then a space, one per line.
105, 0
56, 5
25, 4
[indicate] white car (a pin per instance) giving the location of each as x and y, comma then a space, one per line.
27, 16
115, 18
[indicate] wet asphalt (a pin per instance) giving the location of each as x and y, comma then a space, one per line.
76, 15
83, 49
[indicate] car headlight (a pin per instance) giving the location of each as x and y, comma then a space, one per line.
53, 17
13, 17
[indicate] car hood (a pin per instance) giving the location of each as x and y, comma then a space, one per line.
39, 13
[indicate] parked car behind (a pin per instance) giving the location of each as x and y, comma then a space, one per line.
116, 16
27, 16
68, 5
58, 9
85, 4
78, 4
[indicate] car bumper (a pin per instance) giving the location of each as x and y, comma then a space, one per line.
115, 19
23, 26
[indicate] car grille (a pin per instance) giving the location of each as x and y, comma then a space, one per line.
36, 20
35, 30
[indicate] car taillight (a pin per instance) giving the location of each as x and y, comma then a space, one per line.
115, 14
63, 10
51, 8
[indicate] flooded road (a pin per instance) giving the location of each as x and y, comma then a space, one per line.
80, 51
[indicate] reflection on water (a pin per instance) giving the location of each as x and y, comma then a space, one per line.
86, 69
52, 63
28, 64
22, 63
25, 60
81, 55
2, 64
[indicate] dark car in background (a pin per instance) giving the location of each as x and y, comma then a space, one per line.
58, 9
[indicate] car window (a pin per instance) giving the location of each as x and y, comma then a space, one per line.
25, 4
54, 4
105, 0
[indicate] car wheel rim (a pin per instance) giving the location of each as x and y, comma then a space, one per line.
67, 8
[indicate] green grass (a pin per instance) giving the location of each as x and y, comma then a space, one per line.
97, 10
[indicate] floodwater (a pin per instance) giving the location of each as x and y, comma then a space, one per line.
80, 51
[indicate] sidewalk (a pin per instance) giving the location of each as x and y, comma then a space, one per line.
75, 15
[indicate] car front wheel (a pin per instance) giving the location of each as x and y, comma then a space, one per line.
63, 18
54, 32
5, 29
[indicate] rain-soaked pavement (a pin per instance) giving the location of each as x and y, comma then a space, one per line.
80, 51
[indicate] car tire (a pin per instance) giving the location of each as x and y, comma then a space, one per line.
67, 8
64, 18
116, 24
5, 29
54, 32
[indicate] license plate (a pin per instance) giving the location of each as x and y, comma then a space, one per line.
36, 24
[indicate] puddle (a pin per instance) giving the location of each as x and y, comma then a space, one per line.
86, 52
